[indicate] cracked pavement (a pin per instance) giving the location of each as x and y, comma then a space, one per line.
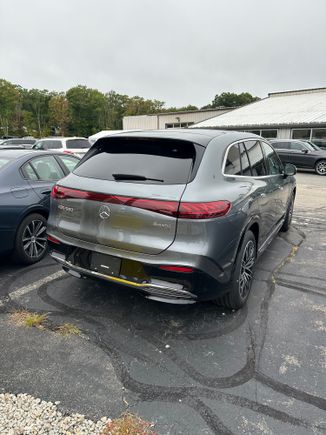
193, 369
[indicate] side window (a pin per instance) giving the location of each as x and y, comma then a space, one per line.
297, 146
47, 168
69, 162
244, 161
232, 163
272, 161
256, 158
28, 172
281, 145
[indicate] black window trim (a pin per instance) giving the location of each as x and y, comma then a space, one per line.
246, 176
21, 170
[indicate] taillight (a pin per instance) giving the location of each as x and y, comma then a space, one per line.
180, 269
68, 152
183, 210
203, 210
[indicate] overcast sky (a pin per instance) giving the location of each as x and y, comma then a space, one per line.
178, 51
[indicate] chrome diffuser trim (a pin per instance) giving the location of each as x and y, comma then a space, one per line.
162, 291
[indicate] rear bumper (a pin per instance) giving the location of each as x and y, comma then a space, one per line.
163, 291
206, 282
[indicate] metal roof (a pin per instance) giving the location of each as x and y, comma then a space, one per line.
290, 108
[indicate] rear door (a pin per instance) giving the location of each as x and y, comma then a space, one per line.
42, 172
268, 190
128, 193
275, 171
305, 155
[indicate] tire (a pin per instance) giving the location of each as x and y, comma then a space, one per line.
320, 167
238, 290
31, 241
288, 217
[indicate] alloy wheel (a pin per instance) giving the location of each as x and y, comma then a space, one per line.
246, 270
321, 167
34, 239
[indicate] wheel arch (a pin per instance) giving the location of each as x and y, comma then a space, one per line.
253, 226
34, 209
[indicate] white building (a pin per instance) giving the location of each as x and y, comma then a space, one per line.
299, 114
171, 119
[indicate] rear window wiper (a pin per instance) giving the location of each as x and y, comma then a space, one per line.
134, 177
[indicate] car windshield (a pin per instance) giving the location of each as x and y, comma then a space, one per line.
77, 143
153, 161
48, 144
313, 146
309, 146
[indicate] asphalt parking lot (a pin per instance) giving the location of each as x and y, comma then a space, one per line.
194, 369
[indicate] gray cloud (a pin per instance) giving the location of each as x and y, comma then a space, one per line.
180, 51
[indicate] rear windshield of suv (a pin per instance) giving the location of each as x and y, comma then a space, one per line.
157, 161
77, 143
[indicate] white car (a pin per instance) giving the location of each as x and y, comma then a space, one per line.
104, 133
69, 145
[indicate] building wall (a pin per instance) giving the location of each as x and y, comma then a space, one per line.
284, 133
164, 120
143, 122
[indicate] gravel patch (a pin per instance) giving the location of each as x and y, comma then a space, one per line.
23, 414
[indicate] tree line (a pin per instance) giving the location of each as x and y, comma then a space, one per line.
82, 111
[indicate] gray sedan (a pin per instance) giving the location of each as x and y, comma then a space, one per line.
180, 215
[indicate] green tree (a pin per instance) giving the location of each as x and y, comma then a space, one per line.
88, 110
115, 110
59, 115
139, 106
36, 102
9, 99
181, 109
230, 99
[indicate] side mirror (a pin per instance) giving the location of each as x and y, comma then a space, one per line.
289, 170
304, 151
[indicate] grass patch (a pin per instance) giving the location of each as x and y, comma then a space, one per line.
68, 329
28, 319
128, 424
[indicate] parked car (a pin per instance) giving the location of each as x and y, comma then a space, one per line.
69, 145
11, 147
26, 179
179, 215
104, 133
302, 154
25, 142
